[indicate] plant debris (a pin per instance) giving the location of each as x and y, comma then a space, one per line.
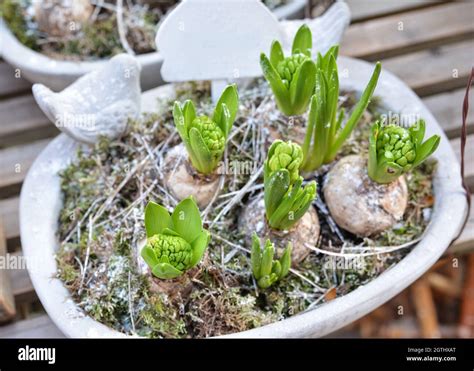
107, 187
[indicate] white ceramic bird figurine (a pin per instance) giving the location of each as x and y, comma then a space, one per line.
99, 103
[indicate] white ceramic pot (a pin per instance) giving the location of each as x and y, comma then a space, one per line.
40, 205
57, 74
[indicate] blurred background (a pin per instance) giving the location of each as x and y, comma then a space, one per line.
428, 44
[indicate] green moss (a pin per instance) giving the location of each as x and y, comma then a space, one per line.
216, 311
12, 11
100, 39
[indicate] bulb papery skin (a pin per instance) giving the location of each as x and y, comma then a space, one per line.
211, 134
171, 249
288, 66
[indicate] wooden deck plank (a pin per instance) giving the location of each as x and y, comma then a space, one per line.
15, 161
447, 108
9, 214
21, 285
38, 327
7, 302
368, 9
410, 31
434, 70
23, 121
10, 85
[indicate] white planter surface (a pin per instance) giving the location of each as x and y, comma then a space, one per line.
41, 203
57, 74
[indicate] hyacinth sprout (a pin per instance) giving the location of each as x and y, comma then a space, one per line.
394, 150
176, 242
292, 78
325, 133
205, 137
286, 200
265, 269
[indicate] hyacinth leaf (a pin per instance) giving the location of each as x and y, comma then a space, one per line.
417, 132
303, 41
388, 172
282, 95
293, 207
323, 61
267, 259
179, 121
187, 220
302, 86
270, 154
286, 204
332, 94
285, 261
372, 162
356, 113
170, 232
224, 122
321, 131
276, 53
157, 218
303, 205
255, 256
149, 255
276, 268
202, 159
199, 246
230, 98
166, 271
309, 130
426, 149
189, 112
276, 187
264, 282
265, 269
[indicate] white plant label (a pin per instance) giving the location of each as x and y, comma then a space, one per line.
215, 39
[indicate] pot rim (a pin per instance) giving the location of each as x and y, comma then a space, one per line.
40, 203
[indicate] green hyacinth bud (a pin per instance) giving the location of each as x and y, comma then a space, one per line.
288, 66
286, 155
394, 150
173, 250
394, 144
211, 134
